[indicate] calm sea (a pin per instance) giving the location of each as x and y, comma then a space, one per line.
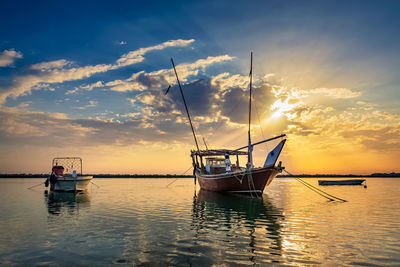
151, 222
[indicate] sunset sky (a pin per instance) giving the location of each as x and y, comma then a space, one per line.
87, 78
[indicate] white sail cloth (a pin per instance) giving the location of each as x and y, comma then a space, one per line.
274, 154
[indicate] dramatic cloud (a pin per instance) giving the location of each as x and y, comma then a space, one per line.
320, 122
54, 71
8, 57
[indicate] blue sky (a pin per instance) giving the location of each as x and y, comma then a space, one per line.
343, 55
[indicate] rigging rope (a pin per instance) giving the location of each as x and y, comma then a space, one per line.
202, 135
317, 190
259, 124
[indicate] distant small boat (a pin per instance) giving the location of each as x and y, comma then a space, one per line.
66, 175
341, 182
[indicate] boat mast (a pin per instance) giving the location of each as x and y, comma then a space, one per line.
250, 147
187, 110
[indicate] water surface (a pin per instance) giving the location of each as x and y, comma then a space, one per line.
151, 222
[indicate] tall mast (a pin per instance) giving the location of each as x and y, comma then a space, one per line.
250, 148
184, 102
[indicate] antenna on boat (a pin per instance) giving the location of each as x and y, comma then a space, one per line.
184, 102
250, 147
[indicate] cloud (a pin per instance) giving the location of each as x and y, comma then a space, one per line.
219, 109
297, 93
54, 71
8, 57
20, 125
88, 87
338, 93
353, 125
91, 104
131, 100
162, 78
318, 121
137, 55
130, 84
50, 65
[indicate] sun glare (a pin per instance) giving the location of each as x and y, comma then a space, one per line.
283, 108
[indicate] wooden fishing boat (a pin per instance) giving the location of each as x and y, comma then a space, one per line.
218, 174
341, 182
66, 175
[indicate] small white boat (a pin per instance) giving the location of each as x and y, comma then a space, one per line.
66, 175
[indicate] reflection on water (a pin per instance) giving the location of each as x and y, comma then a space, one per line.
239, 215
70, 202
151, 222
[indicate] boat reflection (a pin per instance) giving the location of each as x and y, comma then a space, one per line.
257, 220
69, 202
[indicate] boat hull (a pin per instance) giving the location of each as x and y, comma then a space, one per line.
341, 182
238, 182
69, 183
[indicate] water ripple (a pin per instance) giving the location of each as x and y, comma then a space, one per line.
143, 222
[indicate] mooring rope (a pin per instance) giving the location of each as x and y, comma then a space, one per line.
35, 185
317, 190
94, 184
181, 174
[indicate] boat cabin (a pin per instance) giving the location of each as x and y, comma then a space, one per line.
215, 160
67, 166
215, 165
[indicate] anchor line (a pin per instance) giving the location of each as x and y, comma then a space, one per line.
35, 185
177, 178
317, 190
307, 185
94, 184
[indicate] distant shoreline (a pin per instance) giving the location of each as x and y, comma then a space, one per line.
380, 175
